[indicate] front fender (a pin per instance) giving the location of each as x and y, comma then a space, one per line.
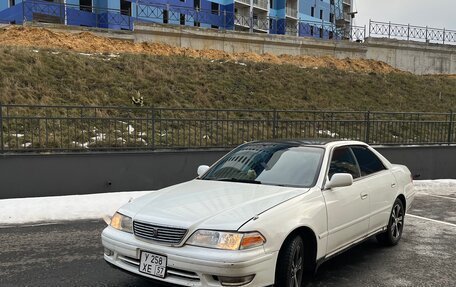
307, 210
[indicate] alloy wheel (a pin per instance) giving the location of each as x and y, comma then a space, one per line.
297, 267
397, 221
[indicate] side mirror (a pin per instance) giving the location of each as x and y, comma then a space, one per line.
339, 180
202, 169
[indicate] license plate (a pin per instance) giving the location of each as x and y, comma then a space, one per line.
153, 264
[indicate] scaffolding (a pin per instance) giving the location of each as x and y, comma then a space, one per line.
341, 9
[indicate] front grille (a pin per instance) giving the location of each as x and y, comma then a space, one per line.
165, 234
182, 274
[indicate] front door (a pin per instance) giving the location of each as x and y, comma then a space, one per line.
347, 207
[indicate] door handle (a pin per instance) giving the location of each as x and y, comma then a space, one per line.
363, 196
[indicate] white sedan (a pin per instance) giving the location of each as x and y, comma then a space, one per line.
267, 213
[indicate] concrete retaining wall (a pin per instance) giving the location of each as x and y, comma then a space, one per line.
416, 57
65, 174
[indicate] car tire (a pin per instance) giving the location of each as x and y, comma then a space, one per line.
290, 268
393, 232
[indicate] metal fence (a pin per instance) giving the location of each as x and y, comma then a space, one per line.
411, 32
77, 128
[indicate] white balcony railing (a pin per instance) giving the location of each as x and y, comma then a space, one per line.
260, 24
244, 1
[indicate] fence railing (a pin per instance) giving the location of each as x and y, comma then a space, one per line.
77, 128
410, 32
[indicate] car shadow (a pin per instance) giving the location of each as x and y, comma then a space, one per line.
347, 264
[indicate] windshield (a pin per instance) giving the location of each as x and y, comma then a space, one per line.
281, 164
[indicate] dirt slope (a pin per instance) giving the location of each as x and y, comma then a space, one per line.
87, 42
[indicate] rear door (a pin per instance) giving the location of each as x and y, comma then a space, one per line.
379, 183
347, 207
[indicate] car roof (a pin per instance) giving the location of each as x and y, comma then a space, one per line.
311, 142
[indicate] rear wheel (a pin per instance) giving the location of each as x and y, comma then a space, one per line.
393, 233
290, 264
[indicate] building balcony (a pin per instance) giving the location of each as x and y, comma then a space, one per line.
243, 2
261, 4
291, 33
261, 25
292, 12
242, 20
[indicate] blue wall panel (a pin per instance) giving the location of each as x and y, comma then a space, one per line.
81, 18
3, 5
12, 15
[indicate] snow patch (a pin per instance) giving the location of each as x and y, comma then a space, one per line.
59, 208
240, 63
141, 140
121, 140
78, 144
327, 133
99, 137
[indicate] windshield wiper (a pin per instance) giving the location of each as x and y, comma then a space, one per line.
233, 179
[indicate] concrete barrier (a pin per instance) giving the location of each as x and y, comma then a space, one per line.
415, 57
32, 175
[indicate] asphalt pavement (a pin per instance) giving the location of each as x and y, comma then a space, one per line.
71, 254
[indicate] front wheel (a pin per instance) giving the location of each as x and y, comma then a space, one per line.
393, 233
290, 264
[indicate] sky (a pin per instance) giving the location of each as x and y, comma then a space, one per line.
435, 13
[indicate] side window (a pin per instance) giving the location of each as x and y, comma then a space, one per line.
343, 161
367, 160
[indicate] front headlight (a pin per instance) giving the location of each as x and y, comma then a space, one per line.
122, 222
226, 240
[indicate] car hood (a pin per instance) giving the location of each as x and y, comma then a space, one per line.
208, 204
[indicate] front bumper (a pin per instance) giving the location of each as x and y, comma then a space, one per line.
190, 265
